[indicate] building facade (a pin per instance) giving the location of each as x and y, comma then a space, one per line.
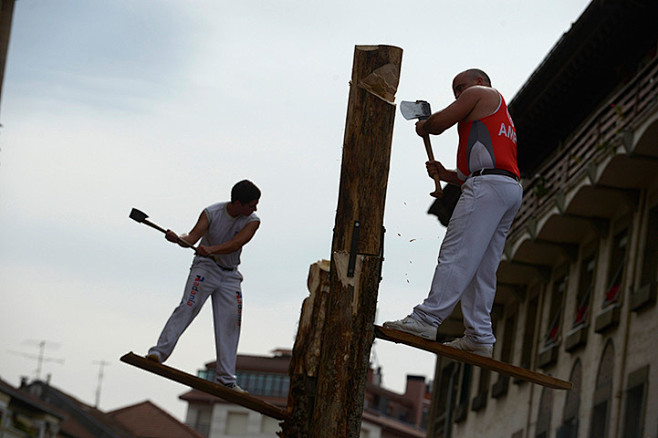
386, 413
577, 285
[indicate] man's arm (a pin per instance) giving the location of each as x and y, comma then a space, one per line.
232, 245
189, 239
436, 168
474, 102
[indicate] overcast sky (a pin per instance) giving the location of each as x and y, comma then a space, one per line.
163, 105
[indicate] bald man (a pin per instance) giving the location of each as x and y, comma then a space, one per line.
488, 173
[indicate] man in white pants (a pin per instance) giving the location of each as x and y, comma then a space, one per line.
224, 228
491, 196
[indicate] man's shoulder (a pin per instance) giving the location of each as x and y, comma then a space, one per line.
482, 91
485, 101
217, 205
216, 208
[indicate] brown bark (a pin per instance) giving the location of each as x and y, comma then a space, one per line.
327, 393
306, 353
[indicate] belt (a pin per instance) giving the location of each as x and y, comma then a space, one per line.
495, 172
223, 268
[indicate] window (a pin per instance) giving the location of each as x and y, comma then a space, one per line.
464, 392
509, 337
569, 427
529, 331
556, 303
616, 268
269, 425
636, 393
650, 259
585, 286
236, 423
274, 385
201, 421
465, 387
206, 374
603, 394
480, 400
646, 295
444, 378
500, 387
543, 427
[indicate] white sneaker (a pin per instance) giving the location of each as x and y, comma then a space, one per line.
413, 326
153, 357
467, 344
235, 387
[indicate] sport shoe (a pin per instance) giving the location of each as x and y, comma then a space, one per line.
235, 387
413, 326
153, 357
467, 344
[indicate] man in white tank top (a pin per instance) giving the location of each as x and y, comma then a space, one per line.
223, 228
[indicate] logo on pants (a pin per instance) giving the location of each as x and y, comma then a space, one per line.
238, 297
195, 288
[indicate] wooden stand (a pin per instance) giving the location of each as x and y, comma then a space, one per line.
220, 391
473, 359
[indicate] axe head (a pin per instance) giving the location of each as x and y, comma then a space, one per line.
137, 215
419, 109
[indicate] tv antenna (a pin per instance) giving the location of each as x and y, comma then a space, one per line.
101, 365
40, 357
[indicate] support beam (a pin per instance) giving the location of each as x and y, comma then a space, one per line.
518, 289
569, 250
542, 271
600, 226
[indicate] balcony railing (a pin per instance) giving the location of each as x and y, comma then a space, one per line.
599, 137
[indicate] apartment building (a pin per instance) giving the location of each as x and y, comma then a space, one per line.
386, 413
577, 285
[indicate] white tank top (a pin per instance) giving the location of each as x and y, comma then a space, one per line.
222, 228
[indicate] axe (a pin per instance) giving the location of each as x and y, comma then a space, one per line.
420, 110
141, 217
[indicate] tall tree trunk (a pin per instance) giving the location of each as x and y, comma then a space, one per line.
329, 398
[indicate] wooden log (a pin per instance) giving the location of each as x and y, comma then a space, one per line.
356, 259
246, 400
464, 356
306, 353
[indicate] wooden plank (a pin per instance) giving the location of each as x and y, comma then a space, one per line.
473, 359
206, 386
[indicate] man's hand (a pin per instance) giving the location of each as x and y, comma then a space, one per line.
171, 236
175, 238
420, 130
203, 251
435, 168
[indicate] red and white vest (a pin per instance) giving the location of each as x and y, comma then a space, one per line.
487, 143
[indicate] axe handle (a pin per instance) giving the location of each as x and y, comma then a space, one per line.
152, 225
159, 228
438, 192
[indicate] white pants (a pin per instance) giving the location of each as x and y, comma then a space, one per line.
224, 287
470, 255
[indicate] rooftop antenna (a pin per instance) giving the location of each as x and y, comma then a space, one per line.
101, 365
40, 357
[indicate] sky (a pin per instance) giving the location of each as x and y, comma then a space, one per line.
162, 105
